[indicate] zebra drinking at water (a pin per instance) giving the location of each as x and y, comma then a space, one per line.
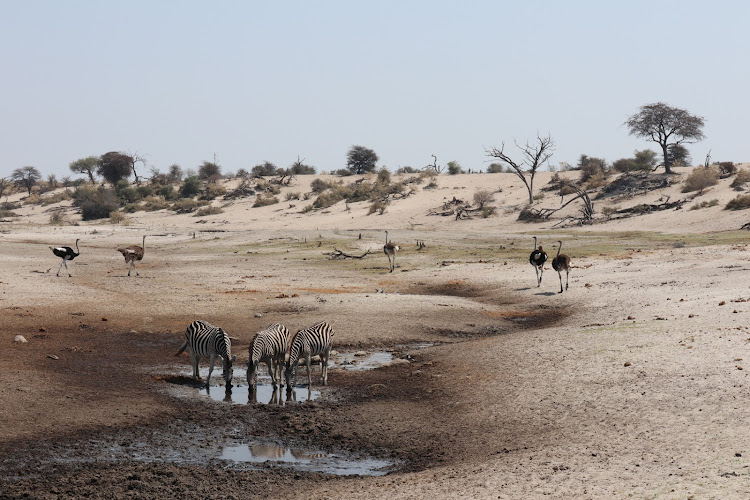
203, 339
268, 346
313, 341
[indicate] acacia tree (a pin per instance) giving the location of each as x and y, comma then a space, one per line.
360, 160
114, 166
85, 166
209, 171
667, 126
27, 177
535, 155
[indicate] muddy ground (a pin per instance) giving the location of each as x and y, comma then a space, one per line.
631, 383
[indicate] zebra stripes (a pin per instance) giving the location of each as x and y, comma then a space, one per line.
203, 339
313, 341
268, 346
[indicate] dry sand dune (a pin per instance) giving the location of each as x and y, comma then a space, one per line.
631, 384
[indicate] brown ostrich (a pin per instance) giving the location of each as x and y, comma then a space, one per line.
537, 259
390, 250
132, 254
560, 263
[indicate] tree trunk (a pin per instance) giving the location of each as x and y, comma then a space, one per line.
667, 166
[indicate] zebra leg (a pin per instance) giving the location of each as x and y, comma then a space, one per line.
324, 366
211, 358
194, 359
309, 373
271, 371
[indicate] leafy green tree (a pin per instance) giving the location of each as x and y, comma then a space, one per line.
191, 187
590, 166
299, 168
27, 177
175, 173
115, 166
209, 171
85, 166
678, 155
454, 168
643, 161
360, 160
667, 126
265, 169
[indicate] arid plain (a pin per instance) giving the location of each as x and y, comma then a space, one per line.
630, 384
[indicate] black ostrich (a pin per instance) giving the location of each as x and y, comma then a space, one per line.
537, 259
65, 253
561, 263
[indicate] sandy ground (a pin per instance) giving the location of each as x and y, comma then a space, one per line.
631, 384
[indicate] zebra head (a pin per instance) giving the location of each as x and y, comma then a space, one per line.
228, 369
290, 370
252, 371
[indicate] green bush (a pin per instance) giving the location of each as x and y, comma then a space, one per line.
327, 199
191, 187
319, 185
168, 192
407, 170
99, 206
145, 191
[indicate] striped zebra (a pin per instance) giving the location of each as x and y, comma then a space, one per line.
268, 346
203, 339
313, 341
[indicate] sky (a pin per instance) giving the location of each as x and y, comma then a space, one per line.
244, 82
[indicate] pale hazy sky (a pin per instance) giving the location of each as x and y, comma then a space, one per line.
179, 81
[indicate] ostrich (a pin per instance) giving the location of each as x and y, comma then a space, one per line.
537, 259
65, 253
132, 254
390, 250
561, 263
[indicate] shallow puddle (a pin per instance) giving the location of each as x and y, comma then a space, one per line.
361, 360
263, 393
304, 460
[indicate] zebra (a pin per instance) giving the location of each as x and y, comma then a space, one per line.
268, 346
313, 341
203, 339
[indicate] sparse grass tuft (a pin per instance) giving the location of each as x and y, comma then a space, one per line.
209, 210
705, 204
741, 202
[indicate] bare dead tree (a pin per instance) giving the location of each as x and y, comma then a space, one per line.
138, 158
535, 155
434, 166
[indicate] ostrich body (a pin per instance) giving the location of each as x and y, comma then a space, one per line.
390, 250
65, 253
132, 254
561, 263
537, 259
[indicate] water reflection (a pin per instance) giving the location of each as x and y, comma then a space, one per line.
301, 459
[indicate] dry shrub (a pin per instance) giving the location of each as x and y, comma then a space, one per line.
154, 203
596, 181
741, 202
326, 200
208, 211
263, 200
32, 199
212, 191
528, 215
705, 204
742, 178
58, 218
377, 206
186, 205
118, 218
483, 196
292, 196
56, 198
699, 179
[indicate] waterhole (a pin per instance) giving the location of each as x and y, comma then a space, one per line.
304, 460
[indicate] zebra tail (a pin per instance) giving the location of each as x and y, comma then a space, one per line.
184, 346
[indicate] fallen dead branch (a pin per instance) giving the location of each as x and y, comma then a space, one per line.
338, 254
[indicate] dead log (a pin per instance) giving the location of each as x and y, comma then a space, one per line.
338, 254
